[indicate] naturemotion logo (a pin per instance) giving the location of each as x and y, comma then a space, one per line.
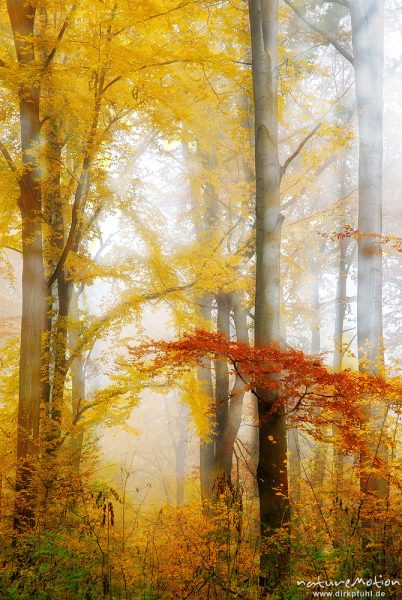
349, 588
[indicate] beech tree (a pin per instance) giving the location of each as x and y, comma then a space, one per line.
271, 470
22, 19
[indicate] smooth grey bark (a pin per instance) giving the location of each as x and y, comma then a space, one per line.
367, 17
367, 33
272, 464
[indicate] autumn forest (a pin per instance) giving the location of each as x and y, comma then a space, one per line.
200, 299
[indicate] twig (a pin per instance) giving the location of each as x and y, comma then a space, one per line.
299, 149
331, 40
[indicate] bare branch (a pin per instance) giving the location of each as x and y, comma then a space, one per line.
14, 249
106, 319
173, 62
8, 158
317, 173
166, 12
115, 80
74, 225
331, 40
299, 148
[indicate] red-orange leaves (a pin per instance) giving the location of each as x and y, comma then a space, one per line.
312, 395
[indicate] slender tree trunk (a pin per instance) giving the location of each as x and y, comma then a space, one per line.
207, 447
340, 304
64, 291
77, 384
230, 426
204, 371
238, 390
295, 466
340, 312
223, 302
216, 454
22, 19
180, 451
340, 309
53, 211
204, 220
321, 450
272, 469
316, 317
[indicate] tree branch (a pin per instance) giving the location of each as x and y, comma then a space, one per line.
344, 3
11, 164
115, 80
167, 12
73, 228
82, 187
14, 249
299, 149
331, 40
61, 33
7, 158
324, 166
105, 320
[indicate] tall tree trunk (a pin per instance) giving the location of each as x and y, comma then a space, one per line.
340, 304
340, 312
77, 384
321, 449
340, 307
272, 469
216, 454
295, 467
64, 292
316, 316
22, 19
368, 51
223, 302
204, 371
180, 452
53, 212
207, 447
367, 18
230, 426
